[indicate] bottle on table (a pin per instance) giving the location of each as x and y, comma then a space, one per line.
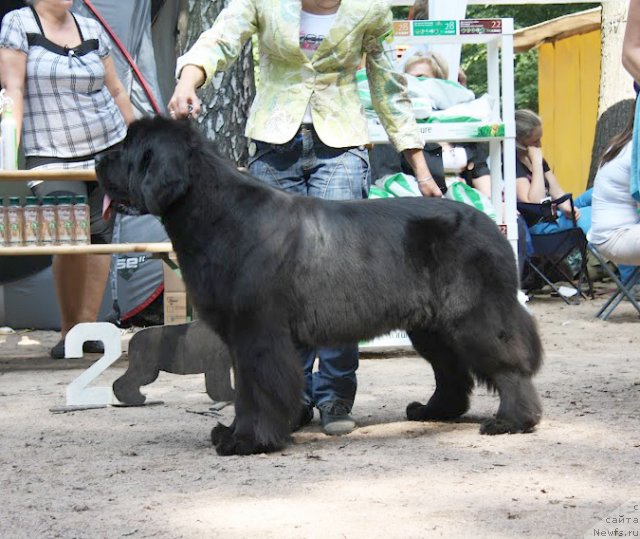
65, 221
14, 232
32, 221
49, 230
81, 217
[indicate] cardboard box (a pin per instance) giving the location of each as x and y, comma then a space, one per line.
172, 278
177, 307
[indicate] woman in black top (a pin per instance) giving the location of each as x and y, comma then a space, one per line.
535, 181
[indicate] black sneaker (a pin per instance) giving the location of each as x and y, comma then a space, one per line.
305, 417
90, 347
335, 418
57, 352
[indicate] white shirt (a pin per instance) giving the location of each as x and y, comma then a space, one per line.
454, 159
613, 208
313, 28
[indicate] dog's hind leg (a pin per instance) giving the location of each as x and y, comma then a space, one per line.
268, 388
520, 408
505, 352
454, 382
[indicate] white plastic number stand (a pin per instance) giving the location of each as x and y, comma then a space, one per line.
78, 394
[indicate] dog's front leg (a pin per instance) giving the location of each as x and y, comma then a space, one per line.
454, 383
268, 379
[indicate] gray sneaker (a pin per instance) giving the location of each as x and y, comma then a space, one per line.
335, 418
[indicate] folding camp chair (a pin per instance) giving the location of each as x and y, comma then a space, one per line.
553, 252
624, 289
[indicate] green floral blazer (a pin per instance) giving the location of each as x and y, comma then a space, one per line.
289, 80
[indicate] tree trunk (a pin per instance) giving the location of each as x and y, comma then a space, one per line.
616, 85
226, 101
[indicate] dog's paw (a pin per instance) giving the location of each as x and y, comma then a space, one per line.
415, 411
228, 443
437, 410
495, 426
220, 435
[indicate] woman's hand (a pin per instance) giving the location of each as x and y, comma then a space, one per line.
427, 185
532, 189
567, 212
535, 154
184, 102
429, 188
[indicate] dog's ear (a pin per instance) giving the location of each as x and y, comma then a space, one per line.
165, 178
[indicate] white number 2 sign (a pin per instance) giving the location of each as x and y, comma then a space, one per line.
77, 391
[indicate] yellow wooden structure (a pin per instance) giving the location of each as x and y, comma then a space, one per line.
568, 85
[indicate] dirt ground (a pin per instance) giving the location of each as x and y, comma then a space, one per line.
151, 472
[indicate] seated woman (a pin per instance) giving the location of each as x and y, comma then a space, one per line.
535, 181
428, 64
615, 229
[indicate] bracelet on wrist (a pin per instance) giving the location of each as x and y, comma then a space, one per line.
425, 180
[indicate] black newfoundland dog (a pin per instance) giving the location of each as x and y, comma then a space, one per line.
268, 271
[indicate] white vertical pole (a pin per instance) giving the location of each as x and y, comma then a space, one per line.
493, 76
495, 158
448, 10
508, 109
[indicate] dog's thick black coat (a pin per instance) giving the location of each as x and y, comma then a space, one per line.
268, 271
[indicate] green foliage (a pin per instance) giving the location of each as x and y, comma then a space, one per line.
474, 57
400, 12
526, 15
526, 80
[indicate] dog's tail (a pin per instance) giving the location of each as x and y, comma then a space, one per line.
499, 335
516, 338
531, 345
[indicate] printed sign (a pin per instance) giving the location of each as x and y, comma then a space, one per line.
434, 28
480, 26
402, 28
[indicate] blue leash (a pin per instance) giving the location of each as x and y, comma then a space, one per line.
634, 180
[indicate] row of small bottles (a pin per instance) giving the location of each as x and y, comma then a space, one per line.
63, 220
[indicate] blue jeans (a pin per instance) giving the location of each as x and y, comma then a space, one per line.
625, 271
563, 223
306, 166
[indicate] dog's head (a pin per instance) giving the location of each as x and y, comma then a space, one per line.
150, 170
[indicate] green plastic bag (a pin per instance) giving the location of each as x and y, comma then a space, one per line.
459, 191
426, 94
399, 185
377, 192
